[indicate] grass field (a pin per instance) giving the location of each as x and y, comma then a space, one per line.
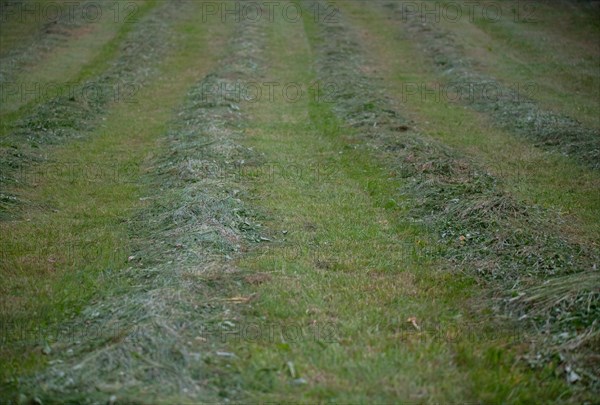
303, 202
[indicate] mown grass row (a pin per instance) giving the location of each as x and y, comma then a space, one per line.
27, 132
31, 32
480, 227
511, 108
552, 46
346, 303
73, 242
157, 340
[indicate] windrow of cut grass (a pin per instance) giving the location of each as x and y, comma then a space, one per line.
152, 337
68, 43
32, 31
346, 303
480, 228
314, 250
552, 46
70, 245
512, 108
90, 34
135, 55
536, 176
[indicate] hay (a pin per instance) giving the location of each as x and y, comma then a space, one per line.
508, 107
479, 227
161, 332
65, 118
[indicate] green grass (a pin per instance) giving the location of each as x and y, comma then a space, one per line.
557, 50
74, 238
84, 55
342, 262
536, 176
19, 29
511, 107
351, 293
